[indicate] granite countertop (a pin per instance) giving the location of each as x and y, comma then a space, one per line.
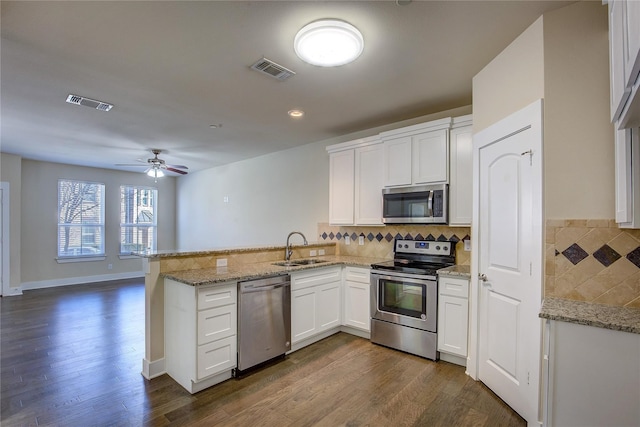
208, 276
456, 270
591, 314
221, 251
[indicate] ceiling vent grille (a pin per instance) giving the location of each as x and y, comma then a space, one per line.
92, 103
270, 68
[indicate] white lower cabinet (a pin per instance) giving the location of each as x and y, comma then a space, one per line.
200, 333
356, 301
453, 318
591, 376
315, 303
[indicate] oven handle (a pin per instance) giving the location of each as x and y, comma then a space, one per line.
410, 278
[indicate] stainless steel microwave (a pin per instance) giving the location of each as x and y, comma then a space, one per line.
424, 204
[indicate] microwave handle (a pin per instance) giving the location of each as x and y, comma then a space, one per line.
430, 204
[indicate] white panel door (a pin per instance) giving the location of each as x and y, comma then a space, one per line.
303, 314
328, 306
341, 187
510, 258
397, 161
431, 157
368, 186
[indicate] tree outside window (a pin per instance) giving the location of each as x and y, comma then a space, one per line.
80, 218
138, 222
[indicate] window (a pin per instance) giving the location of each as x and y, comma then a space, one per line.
80, 219
137, 219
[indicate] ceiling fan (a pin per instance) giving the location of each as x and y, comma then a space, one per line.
155, 166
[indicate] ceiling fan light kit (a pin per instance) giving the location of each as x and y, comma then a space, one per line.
157, 166
328, 43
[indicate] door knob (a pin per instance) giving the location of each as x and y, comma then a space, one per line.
482, 277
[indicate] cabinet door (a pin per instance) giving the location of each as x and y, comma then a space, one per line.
460, 179
430, 157
369, 182
397, 162
216, 323
453, 315
617, 47
216, 357
328, 306
632, 47
357, 305
303, 314
341, 187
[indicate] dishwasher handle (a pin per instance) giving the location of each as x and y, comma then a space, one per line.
250, 288
262, 285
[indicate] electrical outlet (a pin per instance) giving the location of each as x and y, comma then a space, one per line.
313, 252
347, 240
221, 262
109, 266
320, 252
225, 199
467, 245
361, 240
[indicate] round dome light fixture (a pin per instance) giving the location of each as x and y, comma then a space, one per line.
296, 114
328, 43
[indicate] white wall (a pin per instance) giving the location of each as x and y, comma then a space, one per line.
578, 134
512, 80
269, 196
38, 234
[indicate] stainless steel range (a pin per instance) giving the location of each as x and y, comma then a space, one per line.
404, 296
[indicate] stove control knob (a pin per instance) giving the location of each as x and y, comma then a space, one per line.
406, 246
437, 248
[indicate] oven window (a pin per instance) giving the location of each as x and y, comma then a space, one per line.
398, 297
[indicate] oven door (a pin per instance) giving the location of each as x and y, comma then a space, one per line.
404, 300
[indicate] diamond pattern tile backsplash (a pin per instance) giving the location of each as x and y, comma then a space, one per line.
378, 241
594, 261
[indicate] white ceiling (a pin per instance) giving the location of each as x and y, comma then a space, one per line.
174, 68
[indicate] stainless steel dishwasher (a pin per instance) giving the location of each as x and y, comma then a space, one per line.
264, 320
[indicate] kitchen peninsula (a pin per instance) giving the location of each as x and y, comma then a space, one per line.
198, 268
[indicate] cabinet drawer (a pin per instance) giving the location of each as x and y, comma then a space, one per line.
453, 287
356, 274
315, 277
217, 296
216, 323
216, 357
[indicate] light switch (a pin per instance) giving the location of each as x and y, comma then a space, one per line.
347, 240
361, 240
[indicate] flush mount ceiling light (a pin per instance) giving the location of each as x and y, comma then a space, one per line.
328, 43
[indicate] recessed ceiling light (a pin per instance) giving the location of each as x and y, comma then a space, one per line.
328, 43
295, 113
215, 126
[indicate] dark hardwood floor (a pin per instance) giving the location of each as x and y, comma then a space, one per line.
72, 356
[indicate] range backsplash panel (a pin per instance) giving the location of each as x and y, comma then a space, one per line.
378, 241
593, 261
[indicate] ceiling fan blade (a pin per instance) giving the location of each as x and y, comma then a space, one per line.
170, 169
177, 166
130, 164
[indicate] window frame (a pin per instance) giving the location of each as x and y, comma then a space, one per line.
153, 226
83, 226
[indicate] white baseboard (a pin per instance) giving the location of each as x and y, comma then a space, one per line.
12, 292
41, 284
153, 369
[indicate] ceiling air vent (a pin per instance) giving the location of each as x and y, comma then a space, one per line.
270, 68
98, 105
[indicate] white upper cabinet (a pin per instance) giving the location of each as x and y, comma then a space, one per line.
368, 184
460, 172
355, 182
627, 157
417, 154
341, 187
624, 62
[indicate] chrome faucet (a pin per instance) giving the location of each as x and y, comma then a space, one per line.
288, 251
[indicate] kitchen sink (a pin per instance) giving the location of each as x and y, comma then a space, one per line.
298, 262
